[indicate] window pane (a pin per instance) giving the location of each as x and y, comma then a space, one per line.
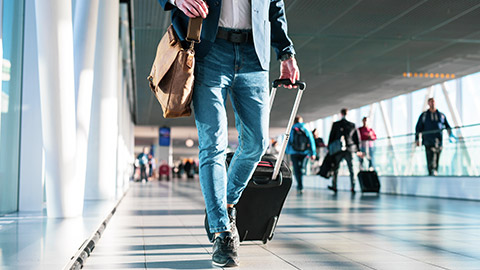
12, 43
471, 99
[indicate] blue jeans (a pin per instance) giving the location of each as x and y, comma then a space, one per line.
231, 69
298, 163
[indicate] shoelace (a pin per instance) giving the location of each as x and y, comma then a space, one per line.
229, 243
231, 217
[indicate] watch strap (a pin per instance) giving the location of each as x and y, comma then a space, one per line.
286, 56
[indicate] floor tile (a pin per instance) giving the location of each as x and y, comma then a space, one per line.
159, 225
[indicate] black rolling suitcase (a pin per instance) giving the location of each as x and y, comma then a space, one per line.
262, 200
369, 181
328, 167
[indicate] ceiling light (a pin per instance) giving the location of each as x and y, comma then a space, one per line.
189, 143
428, 75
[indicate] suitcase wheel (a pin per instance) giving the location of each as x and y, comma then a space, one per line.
270, 229
271, 236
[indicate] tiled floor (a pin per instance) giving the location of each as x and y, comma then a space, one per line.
159, 225
31, 240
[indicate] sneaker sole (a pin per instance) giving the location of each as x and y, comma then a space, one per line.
229, 263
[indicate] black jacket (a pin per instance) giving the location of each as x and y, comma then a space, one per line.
348, 131
431, 126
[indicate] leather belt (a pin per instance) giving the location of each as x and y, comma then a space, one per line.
235, 36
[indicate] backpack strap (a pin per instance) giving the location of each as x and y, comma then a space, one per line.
441, 117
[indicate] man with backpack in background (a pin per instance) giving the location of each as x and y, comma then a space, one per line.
301, 144
142, 161
431, 124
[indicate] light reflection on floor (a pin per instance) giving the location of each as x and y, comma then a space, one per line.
159, 225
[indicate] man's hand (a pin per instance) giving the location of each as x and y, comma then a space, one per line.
193, 8
289, 70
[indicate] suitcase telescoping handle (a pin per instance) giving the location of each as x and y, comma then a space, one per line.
301, 87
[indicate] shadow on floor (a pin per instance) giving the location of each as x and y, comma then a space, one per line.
193, 264
164, 247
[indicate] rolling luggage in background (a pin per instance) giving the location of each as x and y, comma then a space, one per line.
369, 181
328, 166
262, 200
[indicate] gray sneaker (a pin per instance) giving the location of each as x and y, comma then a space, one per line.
224, 251
232, 215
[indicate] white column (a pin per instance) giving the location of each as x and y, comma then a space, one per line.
124, 165
127, 122
409, 108
101, 164
84, 36
371, 113
31, 150
120, 166
164, 153
459, 97
57, 95
388, 128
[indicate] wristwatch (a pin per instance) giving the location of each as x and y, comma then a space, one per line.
286, 56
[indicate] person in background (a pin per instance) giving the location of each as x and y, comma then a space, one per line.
319, 145
143, 164
188, 167
345, 132
273, 149
367, 137
301, 144
431, 123
152, 166
320, 151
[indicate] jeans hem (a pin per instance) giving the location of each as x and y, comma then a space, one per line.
234, 202
220, 229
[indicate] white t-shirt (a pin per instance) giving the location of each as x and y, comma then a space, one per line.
235, 14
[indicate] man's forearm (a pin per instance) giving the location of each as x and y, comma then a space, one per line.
279, 37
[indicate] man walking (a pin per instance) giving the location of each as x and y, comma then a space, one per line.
232, 59
344, 134
301, 144
431, 124
142, 160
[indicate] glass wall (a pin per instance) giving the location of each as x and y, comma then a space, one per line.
11, 46
458, 99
